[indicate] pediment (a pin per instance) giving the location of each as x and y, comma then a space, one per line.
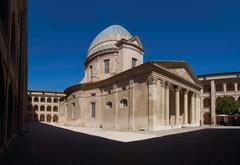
181, 69
182, 73
136, 41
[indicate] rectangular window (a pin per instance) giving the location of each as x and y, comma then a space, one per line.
106, 66
134, 62
93, 110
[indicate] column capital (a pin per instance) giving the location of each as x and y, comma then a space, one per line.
167, 84
177, 88
185, 91
152, 80
192, 93
197, 95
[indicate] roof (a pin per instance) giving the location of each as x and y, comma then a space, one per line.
108, 38
218, 74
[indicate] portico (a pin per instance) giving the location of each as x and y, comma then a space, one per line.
178, 109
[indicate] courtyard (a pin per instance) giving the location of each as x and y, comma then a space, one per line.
49, 144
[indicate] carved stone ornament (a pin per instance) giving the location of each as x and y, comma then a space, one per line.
152, 80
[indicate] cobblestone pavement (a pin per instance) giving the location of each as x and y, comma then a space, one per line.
50, 145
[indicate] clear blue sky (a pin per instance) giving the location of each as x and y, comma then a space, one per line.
205, 33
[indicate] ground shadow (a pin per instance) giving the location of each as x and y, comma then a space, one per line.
53, 145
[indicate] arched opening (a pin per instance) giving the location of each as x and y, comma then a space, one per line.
42, 99
238, 86
10, 112
36, 99
109, 105
206, 118
239, 98
49, 99
219, 87
2, 105
35, 117
42, 118
35, 108
49, 108
29, 99
55, 118
230, 87
231, 97
207, 88
123, 103
218, 99
206, 102
42, 108
55, 108
55, 100
49, 118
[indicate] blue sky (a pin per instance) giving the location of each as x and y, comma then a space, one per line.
205, 33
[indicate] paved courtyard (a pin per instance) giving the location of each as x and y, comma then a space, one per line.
50, 145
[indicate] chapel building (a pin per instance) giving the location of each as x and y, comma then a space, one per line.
121, 92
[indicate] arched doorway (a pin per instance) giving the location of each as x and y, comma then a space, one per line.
55, 118
10, 112
2, 105
49, 118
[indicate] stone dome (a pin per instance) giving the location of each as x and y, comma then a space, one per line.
108, 38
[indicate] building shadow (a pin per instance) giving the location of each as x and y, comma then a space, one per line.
54, 145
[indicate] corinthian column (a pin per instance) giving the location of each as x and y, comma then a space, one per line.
177, 107
185, 106
152, 102
167, 103
192, 108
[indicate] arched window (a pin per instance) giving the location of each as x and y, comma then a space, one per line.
49, 118
232, 97
55, 118
55, 100
29, 107
206, 88
49, 100
219, 87
29, 98
42, 108
49, 108
35, 108
42, 99
206, 102
55, 108
230, 87
42, 118
109, 105
123, 103
35, 117
36, 99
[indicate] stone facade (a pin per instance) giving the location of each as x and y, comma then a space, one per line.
13, 69
127, 94
215, 86
43, 106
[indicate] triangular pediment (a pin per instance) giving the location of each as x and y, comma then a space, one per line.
180, 69
182, 73
136, 41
